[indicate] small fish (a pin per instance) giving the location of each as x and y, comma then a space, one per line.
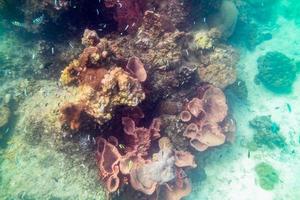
52, 50
127, 26
18, 24
204, 19
39, 20
70, 44
121, 146
187, 52
130, 164
289, 107
249, 154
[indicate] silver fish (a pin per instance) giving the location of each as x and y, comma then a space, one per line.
38, 20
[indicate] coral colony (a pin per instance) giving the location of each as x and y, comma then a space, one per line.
144, 91
117, 74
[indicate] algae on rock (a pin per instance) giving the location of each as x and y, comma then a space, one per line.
276, 71
267, 176
267, 133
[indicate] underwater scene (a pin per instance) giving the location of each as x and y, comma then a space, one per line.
149, 100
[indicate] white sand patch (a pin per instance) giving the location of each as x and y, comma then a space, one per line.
233, 177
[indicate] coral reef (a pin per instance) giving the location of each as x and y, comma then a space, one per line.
267, 133
117, 88
140, 73
267, 176
207, 110
276, 71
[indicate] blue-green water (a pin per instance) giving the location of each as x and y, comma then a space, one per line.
42, 159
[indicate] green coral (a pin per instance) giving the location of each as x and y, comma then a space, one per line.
267, 176
276, 71
267, 133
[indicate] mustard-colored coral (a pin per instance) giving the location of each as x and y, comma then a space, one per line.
118, 88
202, 41
67, 77
206, 39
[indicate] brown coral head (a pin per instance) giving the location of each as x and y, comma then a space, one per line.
185, 116
155, 128
191, 131
108, 158
128, 126
112, 183
136, 68
72, 115
212, 135
184, 159
215, 105
90, 38
146, 186
195, 107
198, 145
92, 77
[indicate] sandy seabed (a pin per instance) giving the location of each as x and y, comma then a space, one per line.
230, 173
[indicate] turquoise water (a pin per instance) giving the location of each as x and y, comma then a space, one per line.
61, 96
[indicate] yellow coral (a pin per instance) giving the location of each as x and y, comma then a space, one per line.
118, 88
66, 77
203, 41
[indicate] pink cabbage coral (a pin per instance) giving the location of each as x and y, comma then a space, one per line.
208, 110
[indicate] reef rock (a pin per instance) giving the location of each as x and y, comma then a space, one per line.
218, 67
